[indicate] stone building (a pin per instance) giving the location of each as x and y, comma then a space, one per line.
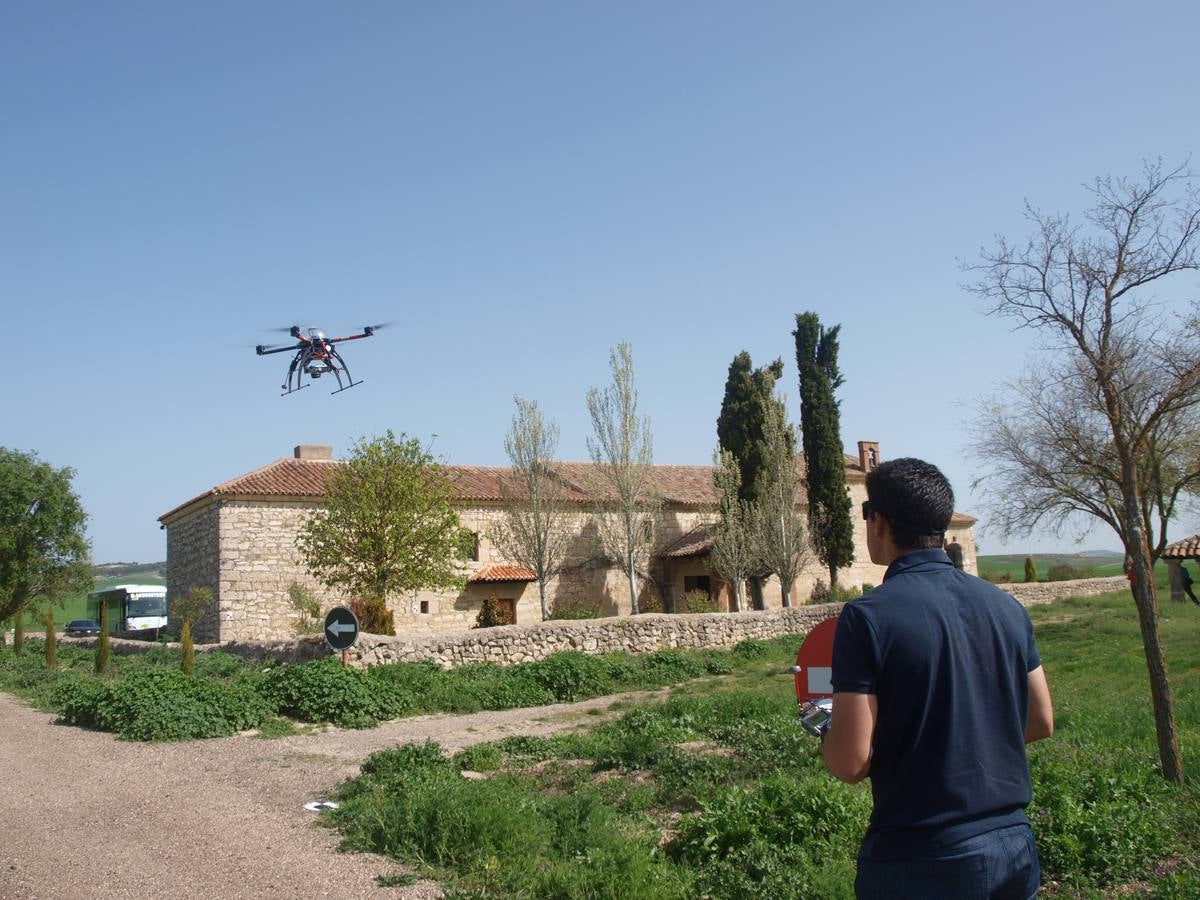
239, 540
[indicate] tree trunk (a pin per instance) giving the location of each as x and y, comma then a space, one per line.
1156, 663
785, 590
737, 594
832, 583
542, 593
633, 600
19, 631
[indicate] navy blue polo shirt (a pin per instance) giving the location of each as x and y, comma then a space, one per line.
948, 657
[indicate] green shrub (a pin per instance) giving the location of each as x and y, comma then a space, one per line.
308, 610
492, 614
489, 686
1030, 570
166, 705
373, 615
750, 649
324, 691
669, 667
479, 758
571, 675
1067, 572
571, 610
76, 698
698, 602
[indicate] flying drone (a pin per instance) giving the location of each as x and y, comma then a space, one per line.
316, 355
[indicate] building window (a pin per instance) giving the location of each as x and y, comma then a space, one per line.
697, 583
510, 607
425, 607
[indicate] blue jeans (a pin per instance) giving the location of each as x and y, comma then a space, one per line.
997, 865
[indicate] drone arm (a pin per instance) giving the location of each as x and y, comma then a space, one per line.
366, 333
262, 350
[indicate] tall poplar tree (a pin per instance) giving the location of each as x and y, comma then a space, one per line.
821, 436
749, 404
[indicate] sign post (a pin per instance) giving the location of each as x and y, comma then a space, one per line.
341, 630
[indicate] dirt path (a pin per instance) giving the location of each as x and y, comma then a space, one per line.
85, 815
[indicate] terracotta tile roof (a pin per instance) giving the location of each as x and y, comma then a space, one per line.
697, 542
496, 572
680, 486
1188, 548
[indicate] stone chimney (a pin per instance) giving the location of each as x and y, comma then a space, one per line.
868, 455
321, 452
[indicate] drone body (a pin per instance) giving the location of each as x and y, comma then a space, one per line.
315, 355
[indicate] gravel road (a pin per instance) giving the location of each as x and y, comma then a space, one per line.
85, 815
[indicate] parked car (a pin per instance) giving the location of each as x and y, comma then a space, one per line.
82, 628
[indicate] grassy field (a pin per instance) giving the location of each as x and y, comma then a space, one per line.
717, 792
994, 568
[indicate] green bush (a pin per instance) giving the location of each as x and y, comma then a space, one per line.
1067, 572
669, 667
698, 602
750, 649
373, 615
76, 698
571, 675
1030, 570
492, 614
324, 691
479, 758
572, 611
170, 706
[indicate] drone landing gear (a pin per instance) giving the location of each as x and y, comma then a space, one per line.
346, 388
292, 390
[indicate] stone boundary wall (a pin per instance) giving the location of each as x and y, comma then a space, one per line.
1035, 593
511, 644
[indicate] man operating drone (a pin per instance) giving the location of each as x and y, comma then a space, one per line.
315, 356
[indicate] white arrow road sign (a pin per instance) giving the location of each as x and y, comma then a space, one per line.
336, 628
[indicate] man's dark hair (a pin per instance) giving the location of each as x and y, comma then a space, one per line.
916, 499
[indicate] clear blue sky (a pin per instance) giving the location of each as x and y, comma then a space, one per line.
520, 186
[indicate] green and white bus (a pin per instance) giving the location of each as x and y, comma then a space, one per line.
131, 607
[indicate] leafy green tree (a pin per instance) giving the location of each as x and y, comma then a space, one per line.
749, 404
189, 608
821, 434
736, 552
43, 551
626, 500
783, 537
532, 531
387, 526
1030, 569
1105, 427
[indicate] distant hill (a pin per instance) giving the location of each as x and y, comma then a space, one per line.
132, 572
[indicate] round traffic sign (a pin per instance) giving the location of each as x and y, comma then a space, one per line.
814, 663
341, 628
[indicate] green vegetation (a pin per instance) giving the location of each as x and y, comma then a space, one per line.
717, 791
138, 701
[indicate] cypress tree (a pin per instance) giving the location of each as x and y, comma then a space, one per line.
103, 648
1030, 569
820, 433
51, 661
748, 404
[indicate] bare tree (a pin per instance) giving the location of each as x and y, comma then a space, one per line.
783, 537
622, 486
1106, 425
531, 532
736, 553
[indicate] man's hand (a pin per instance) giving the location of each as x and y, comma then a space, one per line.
847, 745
